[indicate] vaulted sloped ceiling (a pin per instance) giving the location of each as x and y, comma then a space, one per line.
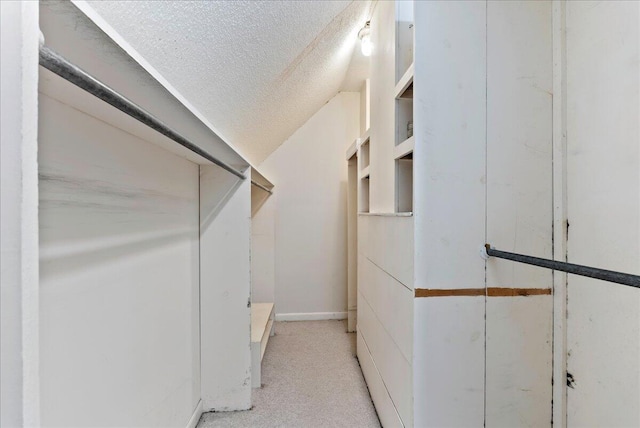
257, 70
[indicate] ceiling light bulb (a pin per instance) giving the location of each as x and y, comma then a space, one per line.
365, 39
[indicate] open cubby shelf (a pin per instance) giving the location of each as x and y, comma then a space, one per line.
404, 140
404, 184
364, 195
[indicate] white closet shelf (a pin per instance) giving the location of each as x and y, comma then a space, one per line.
364, 138
262, 318
402, 214
353, 148
404, 87
404, 148
364, 173
357, 143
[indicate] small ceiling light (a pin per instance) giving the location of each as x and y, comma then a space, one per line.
365, 39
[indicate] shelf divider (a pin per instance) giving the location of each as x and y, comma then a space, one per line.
404, 87
404, 148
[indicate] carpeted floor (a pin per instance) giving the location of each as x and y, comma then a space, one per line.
310, 379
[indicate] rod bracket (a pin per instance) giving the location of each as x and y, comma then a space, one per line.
483, 252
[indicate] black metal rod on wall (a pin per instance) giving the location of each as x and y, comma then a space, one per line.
57, 64
605, 275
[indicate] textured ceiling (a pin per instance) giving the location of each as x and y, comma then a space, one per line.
256, 70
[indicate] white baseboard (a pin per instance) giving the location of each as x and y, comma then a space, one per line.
312, 316
195, 418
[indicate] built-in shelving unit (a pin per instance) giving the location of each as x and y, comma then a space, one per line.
404, 139
363, 173
404, 183
404, 106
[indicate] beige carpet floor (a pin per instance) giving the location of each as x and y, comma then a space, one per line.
310, 379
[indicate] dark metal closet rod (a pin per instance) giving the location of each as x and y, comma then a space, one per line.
266, 189
63, 68
605, 275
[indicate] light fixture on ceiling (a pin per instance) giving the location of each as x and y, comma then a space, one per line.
365, 39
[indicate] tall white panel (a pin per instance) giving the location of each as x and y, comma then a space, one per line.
450, 152
603, 187
19, 396
449, 214
225, 290
519, 148
449, 362
383, 68
519, 210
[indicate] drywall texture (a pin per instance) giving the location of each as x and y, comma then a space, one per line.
603, 189
310, 178
19, 214
256, 70
119, 276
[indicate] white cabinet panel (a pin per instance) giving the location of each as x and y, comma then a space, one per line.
388, 242
519, 335
449, 361
394, 369
385, 409
519, 146
392, 303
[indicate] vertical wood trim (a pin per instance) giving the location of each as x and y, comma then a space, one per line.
560, 236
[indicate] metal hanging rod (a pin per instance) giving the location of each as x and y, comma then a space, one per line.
59, 65
260, 186
605, 275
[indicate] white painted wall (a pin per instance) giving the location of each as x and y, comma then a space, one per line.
225, 290
19, 215
603, 207
119, 276
310, 178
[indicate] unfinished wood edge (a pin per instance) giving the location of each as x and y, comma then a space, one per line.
489, 291
433, 292
515, 292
